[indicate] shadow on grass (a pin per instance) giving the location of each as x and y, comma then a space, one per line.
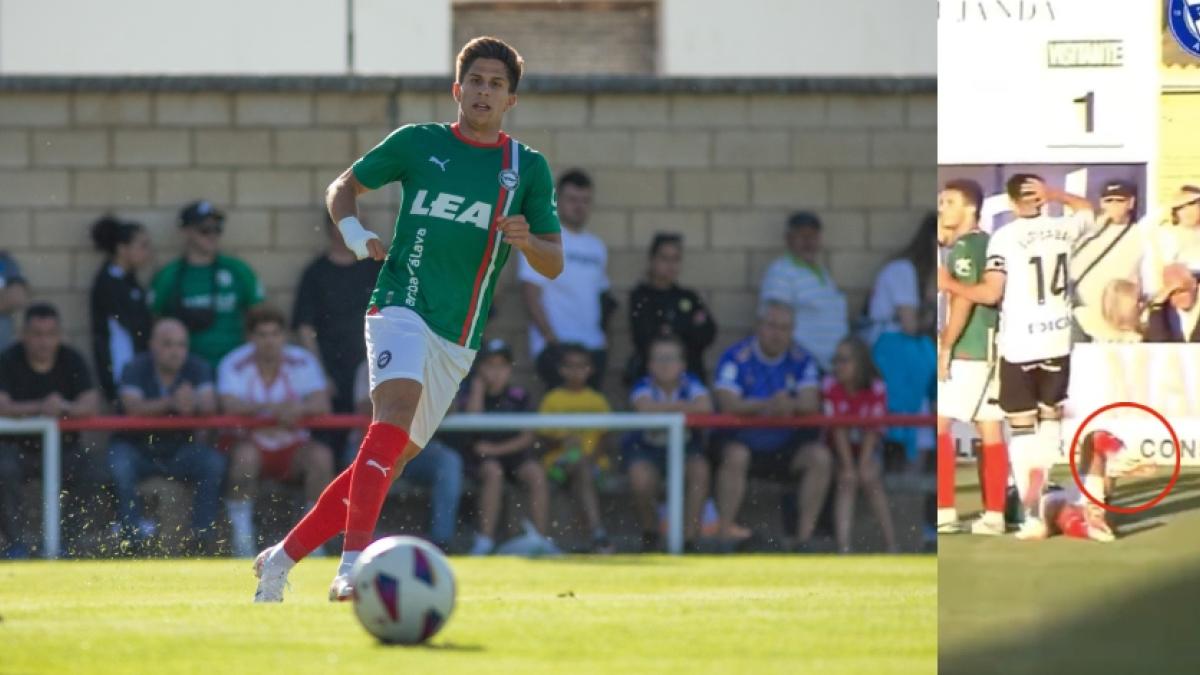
446, 647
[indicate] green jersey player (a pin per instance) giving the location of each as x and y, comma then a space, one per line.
472, 193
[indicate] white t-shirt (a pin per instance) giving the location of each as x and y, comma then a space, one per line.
1035, 255
572, 301
299, 375
896, 286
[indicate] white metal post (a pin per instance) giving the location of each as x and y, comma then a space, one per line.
51, 487
675, 471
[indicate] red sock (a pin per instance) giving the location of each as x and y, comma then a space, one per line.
945, 470
1072, 522
325, 520
370, 480
995, 476
981, 473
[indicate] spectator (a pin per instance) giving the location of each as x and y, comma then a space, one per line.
437, 467
659, 306
1117, 317
573, 307
908, 366
167, 381
120, 317
205, 289
496, 455
668, 388
801, 280
855, 390
1177, 319
39, 375
327, 316
14, 296
902, 299
575, 455
268, 378
1178, 241
1113, 252
769, 374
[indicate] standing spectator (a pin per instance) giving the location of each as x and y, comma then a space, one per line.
268, 378
902, 297
496, 455
658, 306
437, 467
855, 390
120, 317
573, 307
668, 388
14, 296
1178, 319
801, 280
167, 381
574, 455
334, 292
768, 374
41, 376
205, 289
1113, 251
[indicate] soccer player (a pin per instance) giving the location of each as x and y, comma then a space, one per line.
471, 194
1026, 273
967, 364
1103, 458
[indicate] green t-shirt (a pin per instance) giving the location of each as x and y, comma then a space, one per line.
236, 289
447, 252
966, 261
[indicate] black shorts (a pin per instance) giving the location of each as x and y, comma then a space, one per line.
510, 463
1027, 387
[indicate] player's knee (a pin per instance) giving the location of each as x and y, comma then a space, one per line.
490, 472
1022, 426
817, 457
395, 402
735, 457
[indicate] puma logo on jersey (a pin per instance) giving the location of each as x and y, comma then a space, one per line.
382, 469
440, 162
450, 207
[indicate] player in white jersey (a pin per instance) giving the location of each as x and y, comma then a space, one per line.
1103, 458
1027, 275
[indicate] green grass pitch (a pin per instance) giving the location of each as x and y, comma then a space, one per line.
653, 614
1068, 606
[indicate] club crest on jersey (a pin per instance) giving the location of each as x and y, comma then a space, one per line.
962, 267
1183, 16
509, 179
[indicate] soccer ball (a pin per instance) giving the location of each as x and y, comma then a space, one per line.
403, 590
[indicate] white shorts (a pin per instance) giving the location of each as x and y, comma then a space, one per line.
401, 346
971, 392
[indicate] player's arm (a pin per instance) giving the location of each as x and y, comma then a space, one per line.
543, 251
989, 291
341, 198
957, 315
1074, 202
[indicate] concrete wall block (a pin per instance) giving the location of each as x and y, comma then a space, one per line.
626, 188
47, 270
890, 230
35, 110
16, 228
855, 269
152, 148
549, 111
612, 226
273, 109
67, 149
782, 110
921, 111
795, 189
275, 187
415, 108
178, 187
866, 111
111, 189
748, 229
341, 109
55, 229
868, 189
591, 148
193, 109
633, 111
923, 187
19, 187
686, 149
112, 109
710, 188
233, 148
916, 149
709, 110
14, 148
752, 149
714, 269
692, 224
247, 230
830, 149
313, 148
844, 230
302, 230
84, 266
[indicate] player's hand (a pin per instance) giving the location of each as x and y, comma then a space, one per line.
1035, 191
516, 232
375, 249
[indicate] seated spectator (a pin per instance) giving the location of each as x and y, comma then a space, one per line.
573, 307
659, 306
167, 381
268, 378
574, 455
14, 296
1116, 318
903, 297
120, 316
908, 366
768, 374
205, 289
493, 456
40, 376
801, 280
1178, 318
855, 390
437, 467
668, 388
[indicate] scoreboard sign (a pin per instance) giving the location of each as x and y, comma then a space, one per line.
1047, 81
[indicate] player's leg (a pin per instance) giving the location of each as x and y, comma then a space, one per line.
1018, 400
845, 497
245, 463
994, 485
960, 397
533, 477
731, 487
698, 475
814, 461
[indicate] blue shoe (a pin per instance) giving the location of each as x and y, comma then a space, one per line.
16, 552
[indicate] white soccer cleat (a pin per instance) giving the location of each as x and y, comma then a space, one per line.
341, 589
989, 527
272, 577
1033, 529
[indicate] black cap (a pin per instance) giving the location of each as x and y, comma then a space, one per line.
804, 219
199, 212
496, 346
1118, 188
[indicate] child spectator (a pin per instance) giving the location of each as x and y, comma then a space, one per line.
572, 455
855, 390
120, 316
496, 455
668, 388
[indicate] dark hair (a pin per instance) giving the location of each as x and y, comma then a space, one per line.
264, 313
661, 239
865, 372
570, 348
41, 310
108, 233
487, 47
1013, 185
803, 219
921, 251
971, 191
576, 177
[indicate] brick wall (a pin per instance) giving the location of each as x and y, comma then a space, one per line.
723, 168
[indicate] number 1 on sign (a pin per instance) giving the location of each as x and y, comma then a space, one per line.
1088, 101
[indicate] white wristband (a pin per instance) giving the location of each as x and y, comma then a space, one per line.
356, 236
